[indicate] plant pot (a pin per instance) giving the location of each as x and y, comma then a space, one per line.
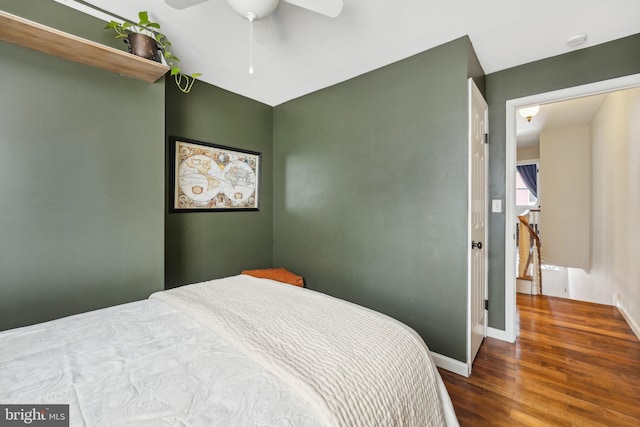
144, 46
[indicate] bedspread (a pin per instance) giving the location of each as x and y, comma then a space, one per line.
143, 364
354, 366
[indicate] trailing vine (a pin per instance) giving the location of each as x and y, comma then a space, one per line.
152, 29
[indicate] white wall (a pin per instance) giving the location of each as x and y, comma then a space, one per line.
565, 189
528, 152
588, 286
616, 199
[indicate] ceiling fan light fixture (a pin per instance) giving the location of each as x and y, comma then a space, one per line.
255, 10
529, 112
259, 8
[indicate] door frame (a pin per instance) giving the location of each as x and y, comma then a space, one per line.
471, 89
512, 105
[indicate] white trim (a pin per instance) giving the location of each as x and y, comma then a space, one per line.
632, 323
528, 162
512, 105
451, 365
509, 227
498, 334
467, 366
89, 10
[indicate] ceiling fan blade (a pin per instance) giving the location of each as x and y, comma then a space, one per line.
183, 4
263, 31
331, 8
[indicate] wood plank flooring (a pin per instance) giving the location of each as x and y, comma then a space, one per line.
573, 364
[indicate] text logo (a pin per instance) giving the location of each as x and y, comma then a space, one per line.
34, 415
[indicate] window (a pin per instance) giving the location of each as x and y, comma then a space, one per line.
524, 197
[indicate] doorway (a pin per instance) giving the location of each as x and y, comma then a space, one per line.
512, 106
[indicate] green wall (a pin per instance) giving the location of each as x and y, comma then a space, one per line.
606, 61
81, 179
364, 184
206, 245
370, 192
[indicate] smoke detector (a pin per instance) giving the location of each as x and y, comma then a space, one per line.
577, 40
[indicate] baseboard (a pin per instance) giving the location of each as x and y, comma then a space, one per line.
523, 286
451, 365
632, 324
498, 334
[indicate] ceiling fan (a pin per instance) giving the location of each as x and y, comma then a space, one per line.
261, 10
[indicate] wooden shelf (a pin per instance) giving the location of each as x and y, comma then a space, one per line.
20, 31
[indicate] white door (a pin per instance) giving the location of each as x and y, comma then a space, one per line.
478, 130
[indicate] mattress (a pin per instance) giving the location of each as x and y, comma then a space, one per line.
153, 363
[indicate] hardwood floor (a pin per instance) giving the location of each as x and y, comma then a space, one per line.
573, 364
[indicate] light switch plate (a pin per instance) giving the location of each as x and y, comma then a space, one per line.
496, 206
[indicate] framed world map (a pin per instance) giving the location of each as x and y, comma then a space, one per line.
210, 177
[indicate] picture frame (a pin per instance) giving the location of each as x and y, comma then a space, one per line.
208, 177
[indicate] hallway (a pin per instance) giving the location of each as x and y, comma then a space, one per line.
573, 364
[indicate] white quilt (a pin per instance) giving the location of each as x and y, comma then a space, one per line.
354, 366
143, 364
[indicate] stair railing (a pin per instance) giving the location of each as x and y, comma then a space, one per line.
529, 252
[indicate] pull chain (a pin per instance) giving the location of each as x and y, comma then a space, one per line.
251, 16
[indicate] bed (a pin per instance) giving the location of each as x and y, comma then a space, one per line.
238, 351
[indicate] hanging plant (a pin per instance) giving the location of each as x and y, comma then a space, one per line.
145, 39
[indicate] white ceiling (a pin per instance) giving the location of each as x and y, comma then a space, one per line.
311, 51
563, 114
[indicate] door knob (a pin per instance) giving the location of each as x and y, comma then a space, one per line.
476, 245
